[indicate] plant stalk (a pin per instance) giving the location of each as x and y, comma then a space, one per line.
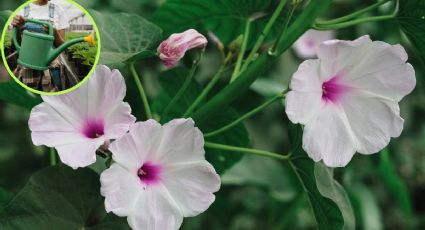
242, 50
264, 34
247, 151
245, 116
141, 91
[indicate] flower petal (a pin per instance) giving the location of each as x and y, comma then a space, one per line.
301, 107
373, 120
383, 71
119, 121
181, 141
80, 154
307, 77
192, 186
134, 148
105, 90
155, 211
121, 190
328, 136
50, 128
337, 56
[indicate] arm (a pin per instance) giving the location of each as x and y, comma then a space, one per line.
18, 21
59, 37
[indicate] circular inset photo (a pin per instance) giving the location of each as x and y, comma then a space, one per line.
50, 46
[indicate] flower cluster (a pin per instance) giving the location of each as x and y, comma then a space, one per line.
160, 174
347, 100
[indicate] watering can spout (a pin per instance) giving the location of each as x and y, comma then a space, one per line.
90, 39
56, 52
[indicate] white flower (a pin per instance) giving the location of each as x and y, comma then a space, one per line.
160, 175
348, 98
306, 46
79, 122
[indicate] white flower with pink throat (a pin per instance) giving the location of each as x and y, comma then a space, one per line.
348, 98
79, 122
306, 46
160, 175
174, 48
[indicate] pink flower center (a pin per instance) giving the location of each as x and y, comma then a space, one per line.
149, 173
93, 128
333, 90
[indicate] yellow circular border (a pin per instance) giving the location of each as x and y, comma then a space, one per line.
2, 40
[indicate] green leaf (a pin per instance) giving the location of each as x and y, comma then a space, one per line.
5, 197
225, 18
333, 190
366, 206
171, 81
4, 15
237, 136
61, 197
326, 211
13, 93
275, 178
411, 18
126, 37
395, 185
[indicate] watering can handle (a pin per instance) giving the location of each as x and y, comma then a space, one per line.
15, 31
15, 39
41, 23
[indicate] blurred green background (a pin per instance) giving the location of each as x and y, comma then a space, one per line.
386, 189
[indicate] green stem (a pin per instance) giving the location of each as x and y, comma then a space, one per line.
241, 51
141, 91
183, 88
276, 43
247, 150
264, 34
53, 160
337, 26
204, 92
353, 15
245, 116
352, 23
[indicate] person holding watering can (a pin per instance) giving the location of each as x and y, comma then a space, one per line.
42, 10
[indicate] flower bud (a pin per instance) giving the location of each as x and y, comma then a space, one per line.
174, 48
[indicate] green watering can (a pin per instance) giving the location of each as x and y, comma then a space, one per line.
36, 50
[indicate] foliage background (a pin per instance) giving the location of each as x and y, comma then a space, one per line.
386, 190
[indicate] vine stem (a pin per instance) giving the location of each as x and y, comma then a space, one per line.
320, 26
241, 51
264, 34
257, 152
53, 160
353, 15
205, 91
352, 23
247, 115
141, 91
276, 43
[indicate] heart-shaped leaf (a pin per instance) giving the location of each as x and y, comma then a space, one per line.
225, 18
126, 37
61, 197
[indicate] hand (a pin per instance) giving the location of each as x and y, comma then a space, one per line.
18, 21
